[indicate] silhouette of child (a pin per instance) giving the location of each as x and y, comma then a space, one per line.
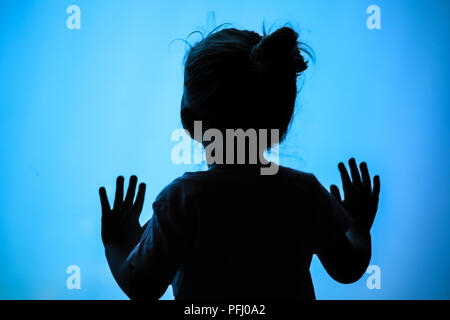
230, 232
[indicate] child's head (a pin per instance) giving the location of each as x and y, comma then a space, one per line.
240, 79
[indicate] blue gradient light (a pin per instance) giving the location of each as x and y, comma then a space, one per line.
72, 100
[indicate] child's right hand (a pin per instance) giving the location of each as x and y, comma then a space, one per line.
361, 200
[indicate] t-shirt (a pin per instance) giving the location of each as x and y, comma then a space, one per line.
231, 233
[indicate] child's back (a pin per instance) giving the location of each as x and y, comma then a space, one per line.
230, 232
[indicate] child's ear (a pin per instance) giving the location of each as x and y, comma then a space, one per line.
187, 120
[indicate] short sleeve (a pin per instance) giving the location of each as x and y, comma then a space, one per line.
330, 219
164, 245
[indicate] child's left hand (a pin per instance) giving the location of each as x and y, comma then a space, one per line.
120, 226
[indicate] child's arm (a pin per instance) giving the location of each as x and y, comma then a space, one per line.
121, 230
145, 260
347, 258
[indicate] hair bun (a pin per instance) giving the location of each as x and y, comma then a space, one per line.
279, 51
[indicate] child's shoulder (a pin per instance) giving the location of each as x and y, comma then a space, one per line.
181, 186
192, 186
291, 173
283, 173
305, 181
191, 181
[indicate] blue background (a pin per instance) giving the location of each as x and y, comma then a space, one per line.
72, 100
